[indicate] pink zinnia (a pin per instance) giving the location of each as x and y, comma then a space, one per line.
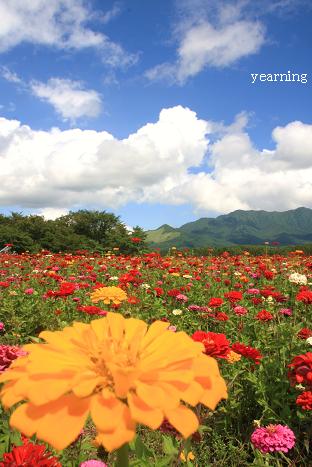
253, 291
273, 438
181, 297
240, 310
8, 353
93, 463
285, 311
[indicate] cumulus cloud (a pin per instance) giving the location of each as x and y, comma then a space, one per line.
75, 168
69, 98
58, 23
217, 40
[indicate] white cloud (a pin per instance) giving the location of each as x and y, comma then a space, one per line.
57, 23
203, 42
9, 75
111, 14
52, 213
62, 170
69, 98
65, 168
294, 144
204, 45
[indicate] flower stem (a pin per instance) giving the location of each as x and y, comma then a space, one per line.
122, 456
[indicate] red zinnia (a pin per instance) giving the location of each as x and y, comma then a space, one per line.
264, 315
66, 288
215, 302
301, 369
216, 345
221, 316
234, 296
133, 300
159, 291
305, 400
173, 292
305, 296
136, 240
248, 352
304, 333
29, 455
92, 310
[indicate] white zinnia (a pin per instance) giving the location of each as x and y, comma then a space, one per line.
297, 278
177, 312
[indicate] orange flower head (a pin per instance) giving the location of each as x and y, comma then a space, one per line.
109, 295
233, 357
116, 370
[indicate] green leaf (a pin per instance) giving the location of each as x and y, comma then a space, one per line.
168, 446
140, 463
36, 340
4, 444
164, 462
15, 438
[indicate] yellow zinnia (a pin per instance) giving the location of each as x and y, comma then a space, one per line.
109, 295
118, 371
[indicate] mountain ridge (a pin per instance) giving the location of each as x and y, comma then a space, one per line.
238, 228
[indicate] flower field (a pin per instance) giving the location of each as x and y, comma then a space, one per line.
165, 360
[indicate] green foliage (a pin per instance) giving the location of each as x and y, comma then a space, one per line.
81, 230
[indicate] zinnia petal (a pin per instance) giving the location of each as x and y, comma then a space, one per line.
142, 413
123, 432
58, 423
107, 412
183, 419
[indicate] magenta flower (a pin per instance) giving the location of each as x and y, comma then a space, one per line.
2, 327
93, 463
285, 311
8, 353
181, 297
29, 291
240, 310
273, 438
194, 307
253, 291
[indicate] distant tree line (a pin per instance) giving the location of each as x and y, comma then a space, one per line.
81, 230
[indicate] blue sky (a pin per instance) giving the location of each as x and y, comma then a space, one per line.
148, 110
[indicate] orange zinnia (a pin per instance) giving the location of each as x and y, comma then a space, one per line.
109, 294
117, 370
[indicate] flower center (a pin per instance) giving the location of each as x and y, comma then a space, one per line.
115, 363
271, 428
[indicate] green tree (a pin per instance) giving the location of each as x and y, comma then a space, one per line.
92, 224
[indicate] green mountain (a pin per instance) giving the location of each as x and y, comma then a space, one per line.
292, 227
